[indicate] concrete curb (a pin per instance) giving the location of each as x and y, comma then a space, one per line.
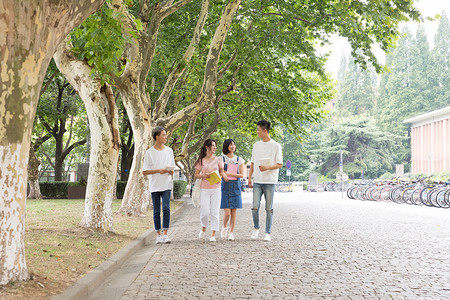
85, 287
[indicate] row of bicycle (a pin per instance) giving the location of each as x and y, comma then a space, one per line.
419, 192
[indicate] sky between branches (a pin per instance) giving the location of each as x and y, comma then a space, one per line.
428, 8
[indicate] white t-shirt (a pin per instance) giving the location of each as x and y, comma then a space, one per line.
233, 160
266, 151
159, 159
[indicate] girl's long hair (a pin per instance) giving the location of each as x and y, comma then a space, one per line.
207, 143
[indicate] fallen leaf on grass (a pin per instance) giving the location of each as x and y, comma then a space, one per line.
41, 285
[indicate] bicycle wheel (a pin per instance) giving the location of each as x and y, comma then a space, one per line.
440, 198
424, 196
385, 193
447, 197
415, 197
359, 193
406, 195
432, 197
349, 192
366, 194
396, 195
375, 194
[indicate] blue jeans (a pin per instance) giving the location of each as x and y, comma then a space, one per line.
258, 190
156, 199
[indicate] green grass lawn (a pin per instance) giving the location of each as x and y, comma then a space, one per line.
59, 251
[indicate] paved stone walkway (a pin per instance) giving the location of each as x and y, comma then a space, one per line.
323, 247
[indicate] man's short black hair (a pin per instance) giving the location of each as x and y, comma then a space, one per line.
157, 131
264, 125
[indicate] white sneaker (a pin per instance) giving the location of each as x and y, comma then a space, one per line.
224, 232
267, 237
166, 239
231, 236
159, 240
212, 239
201, 234
255, 234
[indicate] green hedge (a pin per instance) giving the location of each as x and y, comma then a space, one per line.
179, 188
56, 189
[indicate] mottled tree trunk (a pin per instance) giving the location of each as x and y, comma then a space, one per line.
132, 86
104, 154
30, 32
33, 176
136, 192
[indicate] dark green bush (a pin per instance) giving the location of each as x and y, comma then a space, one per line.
56, 189
120, 189
179, 188
305, 186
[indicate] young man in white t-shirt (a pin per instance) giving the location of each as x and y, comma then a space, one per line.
159, 163
267, 159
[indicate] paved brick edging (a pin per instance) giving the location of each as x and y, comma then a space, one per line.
85, 286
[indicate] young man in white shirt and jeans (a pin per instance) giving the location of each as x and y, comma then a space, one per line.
156, 159
267, 159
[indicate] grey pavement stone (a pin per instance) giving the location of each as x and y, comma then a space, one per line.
323, 247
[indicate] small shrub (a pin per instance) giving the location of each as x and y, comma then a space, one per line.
305, 186
179, 188
387, 175
81, 182
56, 189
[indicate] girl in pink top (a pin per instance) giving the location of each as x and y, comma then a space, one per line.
210, 194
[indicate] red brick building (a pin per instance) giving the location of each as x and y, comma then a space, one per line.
430, 142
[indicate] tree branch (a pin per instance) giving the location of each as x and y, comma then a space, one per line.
295, 18
208, 132
71, 147
176, 73
234, 56
230, 87
206, 97
173, 8
47, 127
38, 143
187, 138
70, 132
49, 81
49, 160
227, 64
